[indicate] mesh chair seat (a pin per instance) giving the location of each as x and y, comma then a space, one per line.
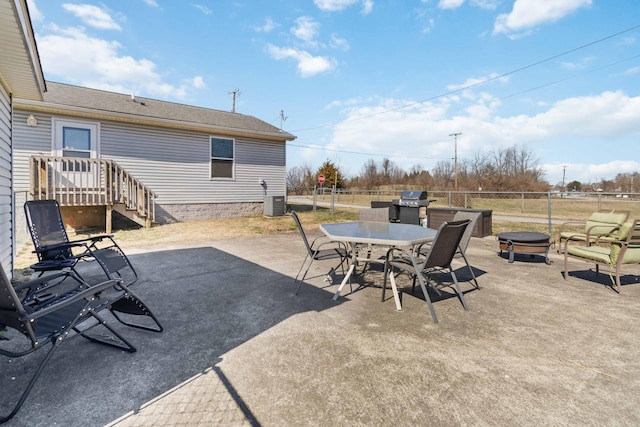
56, 251
318, 250
438, 258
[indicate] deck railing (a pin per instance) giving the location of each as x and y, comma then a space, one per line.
74, 181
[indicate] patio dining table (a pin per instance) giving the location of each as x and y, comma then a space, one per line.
375, 233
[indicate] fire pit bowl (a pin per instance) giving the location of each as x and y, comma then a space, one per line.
524, 242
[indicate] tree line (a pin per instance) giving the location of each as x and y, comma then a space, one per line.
505, 169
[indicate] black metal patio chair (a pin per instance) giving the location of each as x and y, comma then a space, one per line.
474, 217
55, 251
438, 258
57, 306
317, 251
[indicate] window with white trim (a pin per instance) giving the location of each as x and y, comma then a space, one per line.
222, 157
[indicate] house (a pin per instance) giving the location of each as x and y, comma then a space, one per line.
20, 77
154, 161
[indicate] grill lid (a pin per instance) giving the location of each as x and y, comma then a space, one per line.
414, 195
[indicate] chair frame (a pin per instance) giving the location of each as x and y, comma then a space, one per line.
590, 235
56, 251
474, 217
370, 215
315, 251
438, 258
57, 306
600, 255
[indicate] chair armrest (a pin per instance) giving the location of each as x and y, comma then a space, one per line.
609, 235
94, 239
65, 245
39, 281
406, 254
570, 223
86, 294
329, 242
318, 239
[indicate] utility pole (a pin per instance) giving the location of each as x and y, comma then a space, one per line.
455, 158
282, 118
235, 92
564, 170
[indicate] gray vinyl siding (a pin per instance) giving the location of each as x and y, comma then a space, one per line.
6, 196
28, 141
173, 163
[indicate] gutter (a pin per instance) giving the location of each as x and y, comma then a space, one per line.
51, 108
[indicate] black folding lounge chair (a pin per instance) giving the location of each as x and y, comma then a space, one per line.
55, 251
438, 258
317, 251
57, 306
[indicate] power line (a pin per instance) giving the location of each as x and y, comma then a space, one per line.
360, 152
480, 83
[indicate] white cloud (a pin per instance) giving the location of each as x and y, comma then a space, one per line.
581, 126
308, 65
204, 9
477, 81
338, 5
198, 82
632, 71
587, 173
486, 4
306, 29
268, 26
92, 15
450, 4
527, 14
339, 43
77, 58
583, 63
425, 20
367, 6
34, 12
151, 3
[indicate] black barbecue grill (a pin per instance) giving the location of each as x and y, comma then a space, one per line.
409, 204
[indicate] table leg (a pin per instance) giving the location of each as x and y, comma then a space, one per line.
347, 277
394, 289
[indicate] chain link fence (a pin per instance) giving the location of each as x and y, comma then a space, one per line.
547, 209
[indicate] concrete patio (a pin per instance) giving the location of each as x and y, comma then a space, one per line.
240, 349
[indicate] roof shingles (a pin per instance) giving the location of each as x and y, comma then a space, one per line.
153, 109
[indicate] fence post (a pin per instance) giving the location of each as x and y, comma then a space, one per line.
549, 212
522, 207
333, 195
315, 198
449, 197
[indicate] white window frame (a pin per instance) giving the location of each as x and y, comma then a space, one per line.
212, 158
56, 136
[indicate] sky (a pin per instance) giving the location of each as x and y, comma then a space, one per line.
360, 80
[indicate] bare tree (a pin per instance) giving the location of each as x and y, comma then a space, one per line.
369, 176
299, 178
443, 174
295, 180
